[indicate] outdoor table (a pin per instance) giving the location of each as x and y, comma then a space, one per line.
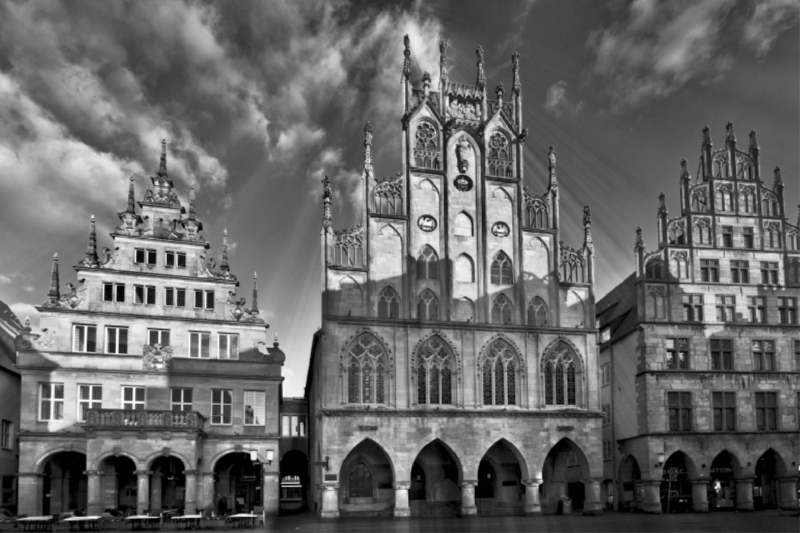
188, 521
36, 523
82, 523
138, 522
242, 520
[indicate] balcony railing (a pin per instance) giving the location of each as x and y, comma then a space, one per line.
129, 418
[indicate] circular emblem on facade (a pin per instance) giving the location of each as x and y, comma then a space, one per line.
463, 183
500, 229
426, 223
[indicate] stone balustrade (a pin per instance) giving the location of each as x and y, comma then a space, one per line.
149, 418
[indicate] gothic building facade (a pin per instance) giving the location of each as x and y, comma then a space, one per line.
455, 368
700, 347
150, 386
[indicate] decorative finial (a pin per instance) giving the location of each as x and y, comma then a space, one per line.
327, 217
426, 83
224, 265
778, 181
730, 138
254, 307
368, 150
754, 149
91, 249
499, 92
406, 58
684, 170
481, 75
443, 45
587, 227
551, 161
131, 202
162, 167
54, 294
662, 203
706, 138
275, 342
516, 88
639, 245
192, 203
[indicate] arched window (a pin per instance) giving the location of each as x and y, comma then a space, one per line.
464, 269
499, 158
654, 268
428, 306
537, 212
388, 304
426, 150
359, 481
769, 205
501, 271
499, 370
794, 271
723, 198
462, 225
435, 367
561, 369
366, 371
427, 264
465, 310
501, 310
537, 312
747, 199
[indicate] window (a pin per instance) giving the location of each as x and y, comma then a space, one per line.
133, 398
388, 304
180, 399
722, 354
144, 294
537, 312
756, 308
255, 407
199, 344
726, 308
501, 270
6, 434
84, 338
51, 401
794, 270
142, 255
605, 374
499, 373
605, 335
709, 270
428, 264
172, 259
228, 346
606, 413
462, 225
769, 273
7, 491
175, 297
773, 236
158, 336
89, 397
693, 307
606, 450
766, 411
740, 271
501, 310
434, 373
797, 360
293, 426
677, 354
727, 236
116, 340
204, 299
464, 271
764, 355
561, 375
724, 406
748, 238
221, 406
113, 292
366, 371
679, 407
787, 309
428, 306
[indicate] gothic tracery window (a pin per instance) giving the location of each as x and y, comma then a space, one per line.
366, 371
654, 268
499, 371
537, 312
561, 369
502, 310
388, 304
428, 264
769, 205
499, 159
501, 271
434, 372
426, 152
428, 306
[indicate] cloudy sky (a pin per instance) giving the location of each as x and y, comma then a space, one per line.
259, 100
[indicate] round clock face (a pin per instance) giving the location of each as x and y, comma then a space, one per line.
500, 229
426, 223
463, 183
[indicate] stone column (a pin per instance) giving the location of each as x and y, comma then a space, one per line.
401, 509
190, 503
142, 492
330, 500
208, 490
699, 495
744, 494
592, 505
29, 493
788, 493
156, 480
94, 493
468, 498
532, 503
271, 493
652, 497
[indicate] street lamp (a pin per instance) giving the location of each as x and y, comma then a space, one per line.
659, 459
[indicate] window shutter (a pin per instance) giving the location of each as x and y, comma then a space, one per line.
77, 338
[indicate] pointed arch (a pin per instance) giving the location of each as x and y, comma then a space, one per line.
499, 155
427, 186
427, 263
351, 296
365, 368
537, 312
463, 225
562, 373
436, 372
502, 309
500, 193
502, 272
427, 145
500, 368
464, 271
465, 310
388, 230
388, 303
428, 305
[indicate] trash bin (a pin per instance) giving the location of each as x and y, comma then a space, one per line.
565, 505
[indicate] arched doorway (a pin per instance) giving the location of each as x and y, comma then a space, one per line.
565, 468
64, 483
676, 491
167, 485
722, 488
366, 481
238, 483
119, 483
436, 473
629, 476
766, 488
294, 481
499, 489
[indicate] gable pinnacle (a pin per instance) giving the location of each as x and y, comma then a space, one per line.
254, 306
499, 92
481, 76
131, 202
406, 59
778, 181
54, 294
443, 61
662, 204
368, 149
551, 161
327, 217
516, 88
192, 203
730, 137
684, 170
753, 142
706, 138
224, 265
639, 244
587, 228
91, 249
162, 167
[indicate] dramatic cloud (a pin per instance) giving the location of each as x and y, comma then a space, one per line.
557, 102
768, 20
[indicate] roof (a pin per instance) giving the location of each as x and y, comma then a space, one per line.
10, 328
617, 310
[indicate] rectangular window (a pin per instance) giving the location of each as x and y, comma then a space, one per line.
175, 297
679, 406
606, 450
749, 241
204, 299
209, 299
606, 413
142, 255
677, 354
724, 406
144, 294
722, 354
169, 296
605, 374
199, 344
116, 340
764, 355
766, 411
286, 426
89, 397
756, 308
158, 336
787, 309
769, 273
221, 406
84, 338
293, 426
181, 399
228, 346
151, 257
255, 407
172, 259
740, 271
7, 491
169, 259
6, 434
113, 292
693, 307
51, 401
727, 236
726, 308
709, 270
133, 398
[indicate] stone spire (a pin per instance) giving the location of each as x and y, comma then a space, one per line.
778, 180
685, 176
639, 244
193, 226
162, 166
730, 137
54, 294
327, 217
406, 59
91, 249
443, 76
192, 203
368, 148
754, 149
587, 228
662, 204
254, 306
551, 159
481, 76
706, 139
516, 88
131, 202
224, 266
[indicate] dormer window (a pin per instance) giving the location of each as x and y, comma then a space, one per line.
175, 259
144, 255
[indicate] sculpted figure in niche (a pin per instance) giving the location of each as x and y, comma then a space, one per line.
462, 149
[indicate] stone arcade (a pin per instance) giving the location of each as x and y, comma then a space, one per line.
454, 372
